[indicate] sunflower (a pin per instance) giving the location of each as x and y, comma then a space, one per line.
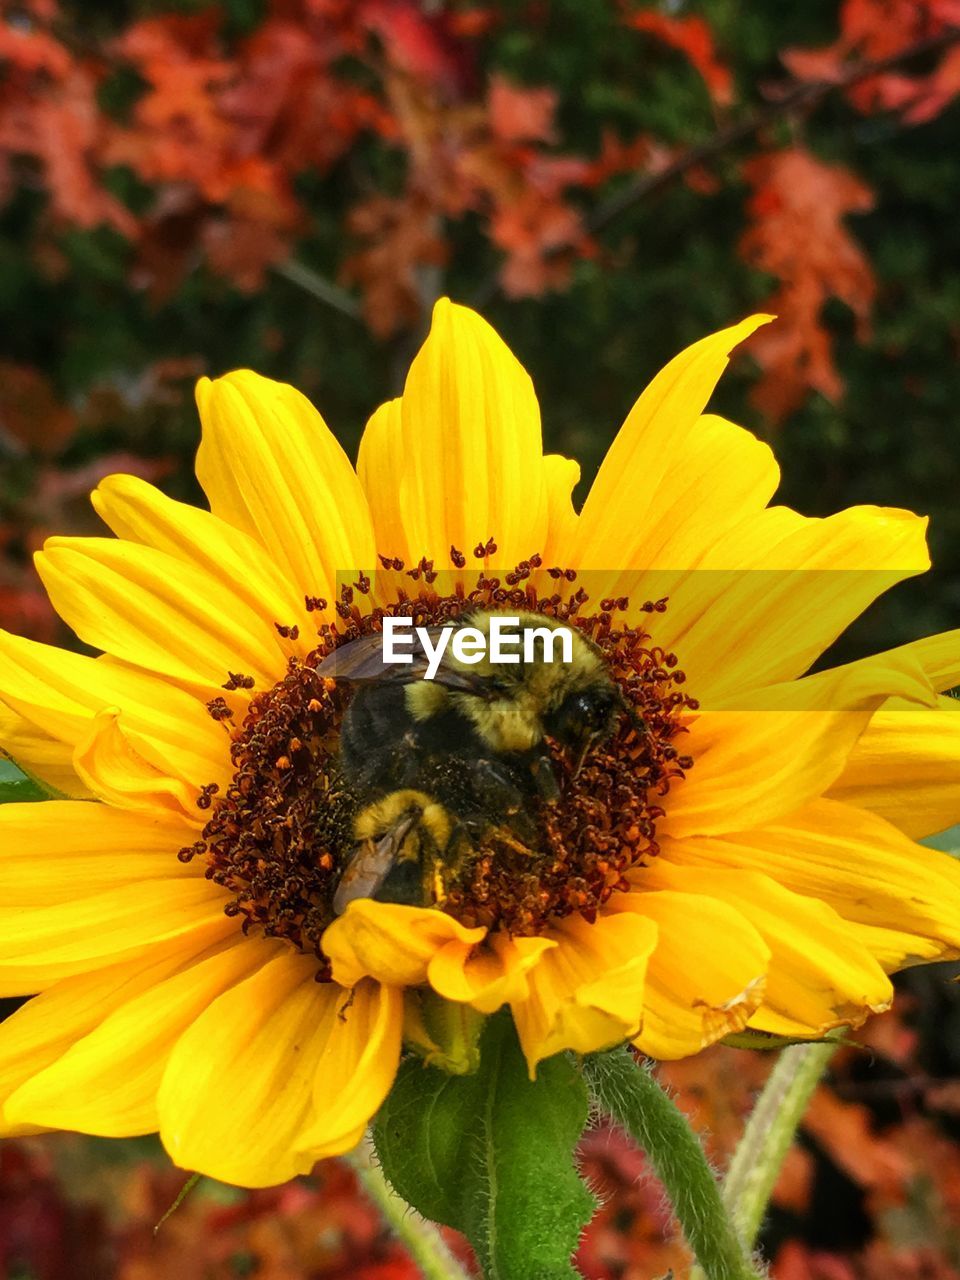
739, 854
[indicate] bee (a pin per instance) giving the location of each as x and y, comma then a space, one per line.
439, 765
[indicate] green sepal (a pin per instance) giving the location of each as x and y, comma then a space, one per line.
492, 1154
16, 785
444, 1033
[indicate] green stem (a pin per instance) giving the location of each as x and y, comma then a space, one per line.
628, 1093
422, 1240
769, 1133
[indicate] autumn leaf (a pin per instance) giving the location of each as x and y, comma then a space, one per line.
797, 234
521, 115
874, 30
693, 38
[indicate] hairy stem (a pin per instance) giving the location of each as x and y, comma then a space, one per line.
770, 1130
422, 1240
627, 1092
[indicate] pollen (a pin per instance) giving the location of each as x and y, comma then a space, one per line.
280, 834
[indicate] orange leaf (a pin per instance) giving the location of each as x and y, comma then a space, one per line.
521, 115
694, 39
798, 234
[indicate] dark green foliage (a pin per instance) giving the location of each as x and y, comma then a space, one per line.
491, 1154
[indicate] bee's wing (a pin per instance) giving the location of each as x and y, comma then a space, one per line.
370, 864
361, 662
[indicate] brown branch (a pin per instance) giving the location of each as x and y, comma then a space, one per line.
802, 97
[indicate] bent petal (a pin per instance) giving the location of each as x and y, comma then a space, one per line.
486, 976
41, 945
860, 865
271, 467
60, 692
660, 436
905, 767
586, 993
157, 613
105, 1082
39, 755
471, 445
63, 850
939, 656
821, 975
114, 764
706, 976
391, 943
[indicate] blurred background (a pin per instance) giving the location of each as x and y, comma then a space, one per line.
289, 185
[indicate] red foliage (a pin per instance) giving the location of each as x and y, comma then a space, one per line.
50, 119
225, 128
798, 235
877, 29
693, 37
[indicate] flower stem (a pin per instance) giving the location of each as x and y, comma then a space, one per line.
628, 1093
770, 1130
422, 1240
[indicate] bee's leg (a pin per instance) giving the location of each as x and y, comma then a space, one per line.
444, 865
495, 786
544, 776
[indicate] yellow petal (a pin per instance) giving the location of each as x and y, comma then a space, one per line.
473, 460
391, 943
653, 455
41, 945
271, 467
788, 745
560, 477
357, 1068
38, 754
706, 975
380, 464
44, 1028
155, 612
587, 993
114, 763
764, 604
63, 850
905, 767
486, 976
138, 512
939, 656
106, 1081
863, 867
236, 1098
60, 692
821, 975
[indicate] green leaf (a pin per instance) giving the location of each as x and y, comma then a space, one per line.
16, 786
492, 1155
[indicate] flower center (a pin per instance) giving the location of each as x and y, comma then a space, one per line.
282, 833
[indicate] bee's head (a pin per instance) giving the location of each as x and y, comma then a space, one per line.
585, 716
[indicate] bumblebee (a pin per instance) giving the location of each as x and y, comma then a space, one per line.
439, 765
